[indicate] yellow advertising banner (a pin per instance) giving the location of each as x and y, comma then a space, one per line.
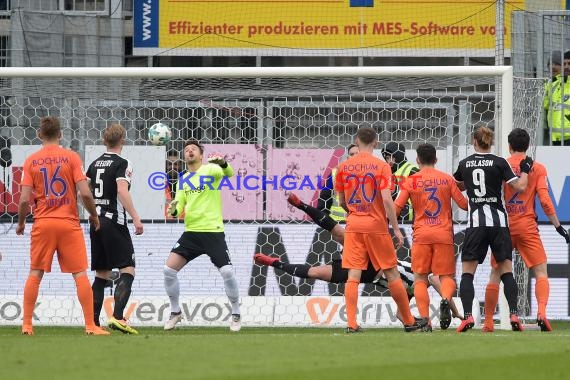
319, 27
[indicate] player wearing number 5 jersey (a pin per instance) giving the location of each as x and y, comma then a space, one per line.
112, 247
524, 230
482, 174
364, 182
431, 192
52, 176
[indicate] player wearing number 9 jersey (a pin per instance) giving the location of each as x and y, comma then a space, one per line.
431, 192
365, 188
482, 174
52, 176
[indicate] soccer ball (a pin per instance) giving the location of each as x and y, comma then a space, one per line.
159, 134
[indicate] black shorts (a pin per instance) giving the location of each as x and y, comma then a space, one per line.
111, 246
478, 240
340, 274
193, 244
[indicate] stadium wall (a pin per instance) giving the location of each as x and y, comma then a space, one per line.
268, 300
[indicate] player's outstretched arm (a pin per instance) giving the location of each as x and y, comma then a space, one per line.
218, 159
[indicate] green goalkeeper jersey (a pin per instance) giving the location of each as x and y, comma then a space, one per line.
200, 198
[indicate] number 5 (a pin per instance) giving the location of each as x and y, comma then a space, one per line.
98, 190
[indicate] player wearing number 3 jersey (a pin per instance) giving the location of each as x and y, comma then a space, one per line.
52, 176
364, 181
482, 174
431, 192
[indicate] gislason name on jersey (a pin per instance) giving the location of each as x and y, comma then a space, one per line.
477, 163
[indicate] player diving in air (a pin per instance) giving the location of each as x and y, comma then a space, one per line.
334, 272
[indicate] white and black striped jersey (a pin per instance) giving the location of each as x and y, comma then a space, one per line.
483, 175
104, 173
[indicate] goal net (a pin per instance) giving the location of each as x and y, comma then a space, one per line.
286, 126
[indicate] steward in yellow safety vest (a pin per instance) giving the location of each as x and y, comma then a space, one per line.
395, 155
556, 104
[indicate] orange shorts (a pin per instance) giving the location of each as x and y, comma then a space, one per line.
438, 259
360, 248
62, 235
530, 248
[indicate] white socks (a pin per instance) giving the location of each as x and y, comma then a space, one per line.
231, 286
172, 287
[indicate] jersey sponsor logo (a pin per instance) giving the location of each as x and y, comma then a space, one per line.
484, 200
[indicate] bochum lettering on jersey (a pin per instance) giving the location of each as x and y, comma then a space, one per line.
50, 160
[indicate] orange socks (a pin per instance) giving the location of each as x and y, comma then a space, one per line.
422, 297
85, 295
491, 301
351, 301
542, 291
401, 297
31, 291
448, 287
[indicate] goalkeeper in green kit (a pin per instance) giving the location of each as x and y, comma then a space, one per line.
197, 196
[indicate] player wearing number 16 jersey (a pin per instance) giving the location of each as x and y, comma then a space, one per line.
482, 174
52, 177
431, 192
364, 182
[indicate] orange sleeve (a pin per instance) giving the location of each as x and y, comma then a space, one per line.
545, 201
27, 178
77, 168
541, 180
458, 196
542, 191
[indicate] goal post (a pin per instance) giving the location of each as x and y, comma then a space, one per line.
271, 122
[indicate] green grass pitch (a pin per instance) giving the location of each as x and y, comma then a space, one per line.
284, 353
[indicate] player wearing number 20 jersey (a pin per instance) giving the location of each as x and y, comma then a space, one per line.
366, 195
